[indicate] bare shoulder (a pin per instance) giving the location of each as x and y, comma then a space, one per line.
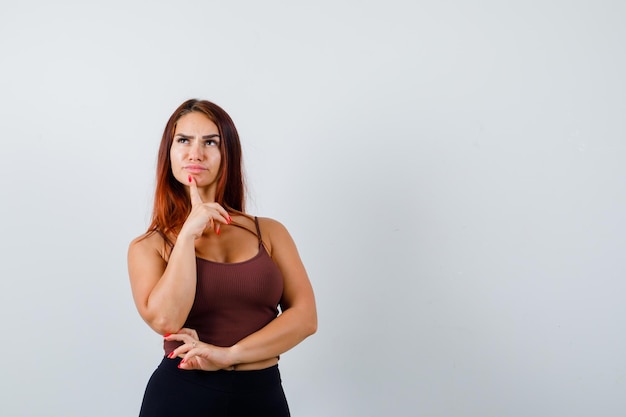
267, 223
271, 227
148, 244
275, 234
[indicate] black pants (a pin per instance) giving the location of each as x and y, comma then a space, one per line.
173, 392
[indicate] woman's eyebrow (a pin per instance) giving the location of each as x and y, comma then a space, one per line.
214, 135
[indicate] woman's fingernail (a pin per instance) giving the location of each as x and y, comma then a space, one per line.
182, 361
167, 334
189, 178
171, 355
230, 220
217, 230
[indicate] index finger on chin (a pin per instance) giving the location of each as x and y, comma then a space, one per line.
194, 195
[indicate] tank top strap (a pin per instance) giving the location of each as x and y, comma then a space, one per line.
258, 229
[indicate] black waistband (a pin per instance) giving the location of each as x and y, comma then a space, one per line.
226, 380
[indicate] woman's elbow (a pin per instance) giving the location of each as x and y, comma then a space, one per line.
163, 325
310, 324
304, 318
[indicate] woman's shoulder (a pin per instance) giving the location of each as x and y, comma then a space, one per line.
270, 224
149, 242
274, 234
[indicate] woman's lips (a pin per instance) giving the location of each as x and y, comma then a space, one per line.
194, 169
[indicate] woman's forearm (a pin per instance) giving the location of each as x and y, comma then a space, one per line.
171, 299
280, 335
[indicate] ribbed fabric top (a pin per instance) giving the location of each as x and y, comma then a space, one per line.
233, 300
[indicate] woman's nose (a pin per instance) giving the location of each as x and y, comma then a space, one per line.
195, 152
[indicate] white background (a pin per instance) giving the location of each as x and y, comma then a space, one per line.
452, 172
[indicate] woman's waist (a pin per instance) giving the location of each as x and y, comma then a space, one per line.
251, 366
220, 329
255, 366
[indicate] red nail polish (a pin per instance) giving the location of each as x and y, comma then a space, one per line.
171, 355
230, 220
217, 230
167, 335
183, 361
189, 178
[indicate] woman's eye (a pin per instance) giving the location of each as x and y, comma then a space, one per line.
211, 142
182, 140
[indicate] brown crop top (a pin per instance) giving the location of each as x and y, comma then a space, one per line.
233, 300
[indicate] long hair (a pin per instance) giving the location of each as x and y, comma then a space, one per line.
171, 198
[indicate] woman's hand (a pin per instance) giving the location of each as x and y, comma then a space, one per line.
199, 355
203, 215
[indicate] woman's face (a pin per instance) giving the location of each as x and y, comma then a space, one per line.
195, 151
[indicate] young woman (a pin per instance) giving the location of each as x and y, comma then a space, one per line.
227, 290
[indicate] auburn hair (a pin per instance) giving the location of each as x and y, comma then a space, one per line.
172, 204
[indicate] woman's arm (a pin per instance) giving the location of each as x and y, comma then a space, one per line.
297, 321
164, 291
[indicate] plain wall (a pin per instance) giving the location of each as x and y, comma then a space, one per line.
453, 173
